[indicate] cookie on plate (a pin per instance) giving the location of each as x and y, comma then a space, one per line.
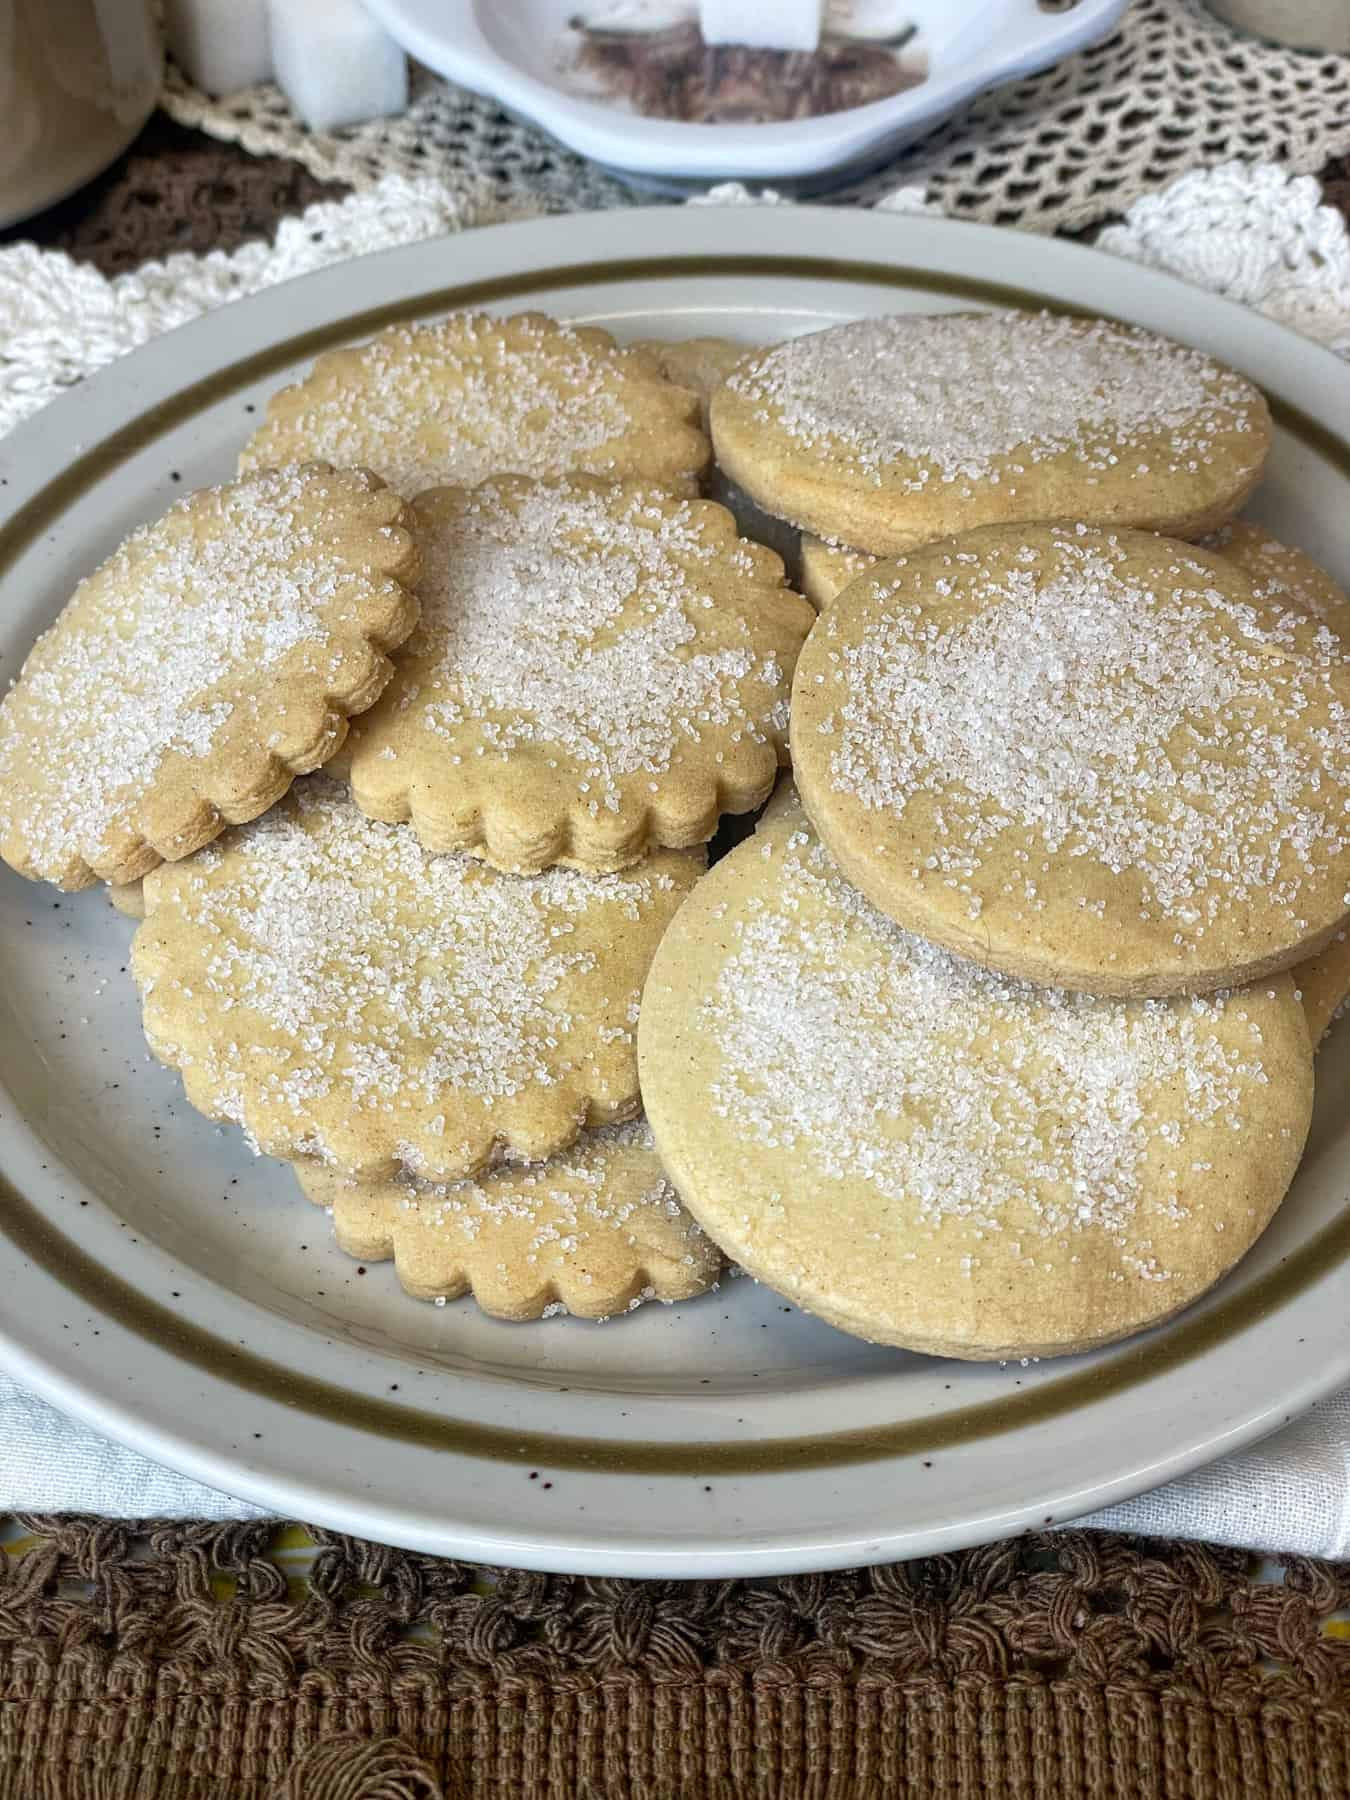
1276, 570
213, 657
473, 396
1324, 984
594, 1231
930, 1155
700, 364
827, 569
887, 433
128, 897
1093, 759
342, 993
599, 669
1279, 572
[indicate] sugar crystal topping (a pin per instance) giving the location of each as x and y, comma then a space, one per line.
384, 973
951, 1091
159, 648
583, 619
1175, 731
462, 400
956, 391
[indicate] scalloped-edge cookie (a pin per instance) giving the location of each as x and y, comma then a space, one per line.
930, 1155
600, 669
341, 992
700, 364
473, 396
887, 433
594, 1231
1092, 759
212, 658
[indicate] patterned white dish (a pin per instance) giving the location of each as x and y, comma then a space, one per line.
517, 52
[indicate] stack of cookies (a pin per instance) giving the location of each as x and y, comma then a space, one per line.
408, 745
534, 669
983, 1045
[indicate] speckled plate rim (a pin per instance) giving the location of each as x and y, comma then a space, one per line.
1221, 1376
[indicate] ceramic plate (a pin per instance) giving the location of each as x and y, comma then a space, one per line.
178, 1294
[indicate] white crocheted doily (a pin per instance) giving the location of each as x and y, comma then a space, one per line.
1174, 89
1248, 231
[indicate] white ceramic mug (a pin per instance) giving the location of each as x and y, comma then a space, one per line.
1304, 24
78, 79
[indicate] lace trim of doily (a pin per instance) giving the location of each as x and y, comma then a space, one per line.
1173, 90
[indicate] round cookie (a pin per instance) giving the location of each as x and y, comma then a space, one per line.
594, 1231
1275, 570
1324, 984
1279, 572
214, 656
599, 669
1092, 759
827, 569
700, 364
128, 898
932, 1156
473, 396
341, 993
887, 433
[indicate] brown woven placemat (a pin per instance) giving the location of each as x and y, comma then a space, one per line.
173, 1662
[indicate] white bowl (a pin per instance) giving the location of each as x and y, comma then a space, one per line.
512, 50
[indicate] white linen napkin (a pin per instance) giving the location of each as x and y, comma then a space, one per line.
1247, 231
1289, 1493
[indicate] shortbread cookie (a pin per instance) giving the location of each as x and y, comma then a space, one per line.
700, 364
474, 396
599, 669
930, 1155
211, 659
888, 433
1323, 982
1092, 759
827, 569
128, 897
1276, 571
1279, 572
594, 1231
340, 992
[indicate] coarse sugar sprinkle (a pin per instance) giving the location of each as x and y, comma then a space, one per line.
957, 392
463, 399
953, 1091
1166, 727
382, 972
170, 639
584, 620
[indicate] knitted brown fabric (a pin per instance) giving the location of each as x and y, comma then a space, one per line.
174, 189
171, 1662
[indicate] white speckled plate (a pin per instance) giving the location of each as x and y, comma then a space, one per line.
159, 1282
